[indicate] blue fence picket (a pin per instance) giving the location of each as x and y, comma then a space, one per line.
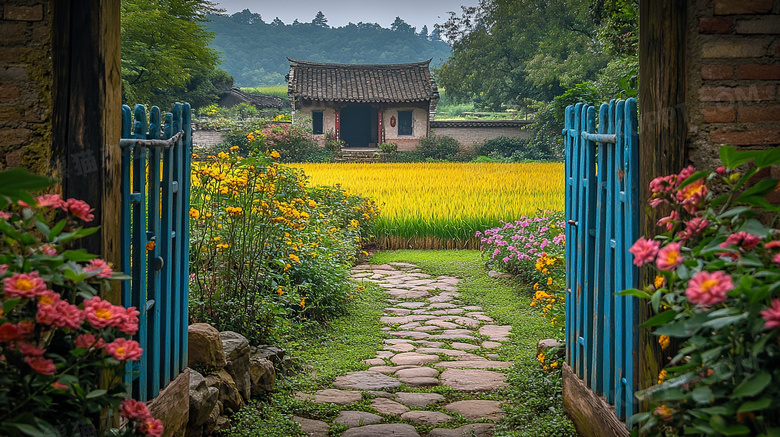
601, 225
155, 239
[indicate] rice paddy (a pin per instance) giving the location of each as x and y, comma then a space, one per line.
442, 205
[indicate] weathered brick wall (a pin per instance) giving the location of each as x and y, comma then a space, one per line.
733, 76
25, 84
472, 136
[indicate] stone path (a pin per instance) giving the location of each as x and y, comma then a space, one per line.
431, 340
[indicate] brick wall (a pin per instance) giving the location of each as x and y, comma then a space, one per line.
25, 84
473, 136
733, 75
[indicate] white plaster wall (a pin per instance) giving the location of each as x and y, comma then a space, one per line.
470, 136
419, 124
328, 120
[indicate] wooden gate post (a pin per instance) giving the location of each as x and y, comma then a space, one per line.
663, 130
86, 117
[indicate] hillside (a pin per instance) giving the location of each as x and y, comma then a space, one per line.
255, 52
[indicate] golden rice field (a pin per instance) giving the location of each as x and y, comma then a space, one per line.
442, 205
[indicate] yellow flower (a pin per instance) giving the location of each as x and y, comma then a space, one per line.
659, 281
194, 213
661, 376
275, 154
234, 148
554, 364
303, 302
222, 246
540, 357
287, 267
233, 210
294, 257
664, 342
312, 203
150, 245
280, 291
217, 238
549, 280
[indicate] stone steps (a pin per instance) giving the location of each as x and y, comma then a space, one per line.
360, 155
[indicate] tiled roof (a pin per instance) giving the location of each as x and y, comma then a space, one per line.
260, 101
361, 83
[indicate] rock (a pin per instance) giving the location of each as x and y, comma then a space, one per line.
374, 361
420, 400
228, 392
490, 344
410, 334
430, 418
472, 380
417, 372
476, 410
421, 381
496, 332
211, 423
545, 344
357, 418
383, 430
494, 274
412, 305
413, 358
236, 349
475, 364
172, 405
262, 375
312, 428
338, 397
401, 347
464, 346
386, 406
384, 354
442, 324
205, 347
223, 423
202, 400
381, 394
366, 380
398, 311
472, 430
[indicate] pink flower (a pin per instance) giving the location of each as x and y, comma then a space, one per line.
691, 197
669, 221
59, 386
655, 203
776, 259
644, 250
123, 349
101, 313
774, 244
3, 269
24, 285
10, 332
58, 313
41, 365
707, 288
685, 174
130, 323
696, 226
101, 266
4, 215
89, 341
742, 239
134, 410
669, 258
79, 208
663, 184
30, 350
720, 170
48, 249
151, 427
772, 314
51, 201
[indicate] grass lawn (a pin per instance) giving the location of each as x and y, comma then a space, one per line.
326, 352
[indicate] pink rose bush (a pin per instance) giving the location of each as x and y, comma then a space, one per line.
57, 336
716, 289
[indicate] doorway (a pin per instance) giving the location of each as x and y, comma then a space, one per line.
359, 125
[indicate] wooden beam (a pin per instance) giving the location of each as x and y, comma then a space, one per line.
591, 414
663, 131
87, 117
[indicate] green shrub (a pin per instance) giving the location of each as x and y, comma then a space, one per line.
503, 146
438, 147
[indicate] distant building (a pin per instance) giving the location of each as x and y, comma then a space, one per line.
260, 101
365, 105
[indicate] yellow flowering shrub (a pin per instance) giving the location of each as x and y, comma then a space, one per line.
263, 249
549, 293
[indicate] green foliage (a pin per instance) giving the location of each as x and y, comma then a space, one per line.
438, 147
255, 54
388, 147
293, 142
717, 291
502, 146
536, 404
265, 249
274, 90
166, 55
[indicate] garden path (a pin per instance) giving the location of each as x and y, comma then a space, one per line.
432, 340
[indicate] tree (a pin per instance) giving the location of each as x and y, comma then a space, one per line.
277, 22
424, 32
435, 33
247, 17
402, 26
320, 20
165, 44
507, 50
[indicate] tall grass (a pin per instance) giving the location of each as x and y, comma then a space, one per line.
442, 205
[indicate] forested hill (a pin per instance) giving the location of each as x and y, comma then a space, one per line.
255, 52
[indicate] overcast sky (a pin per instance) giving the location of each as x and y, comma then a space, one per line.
340, 12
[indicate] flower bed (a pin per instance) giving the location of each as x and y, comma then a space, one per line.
716, 295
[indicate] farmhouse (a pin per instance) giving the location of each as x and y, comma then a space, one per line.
364, 105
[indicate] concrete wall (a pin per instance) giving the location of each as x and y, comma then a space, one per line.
206, 138
733, 76
26, 85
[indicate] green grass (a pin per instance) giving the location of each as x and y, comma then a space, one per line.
275, 90
325, 352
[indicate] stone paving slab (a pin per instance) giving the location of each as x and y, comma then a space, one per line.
421, 417
338, 397
366, 380
383, 430
357, 418
477, 409
471, 430
312, 428
419, 400
475, 364
472, 379
388, 407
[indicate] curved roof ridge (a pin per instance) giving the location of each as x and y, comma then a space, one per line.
337, 65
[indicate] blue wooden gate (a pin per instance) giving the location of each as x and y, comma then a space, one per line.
602, 213
155, 239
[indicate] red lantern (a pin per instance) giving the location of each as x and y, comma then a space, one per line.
392, 121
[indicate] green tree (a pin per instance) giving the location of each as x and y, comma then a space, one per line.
399, 25
165, 47
320, 20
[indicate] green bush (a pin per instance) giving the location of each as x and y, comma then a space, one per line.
503, 146
438, 147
